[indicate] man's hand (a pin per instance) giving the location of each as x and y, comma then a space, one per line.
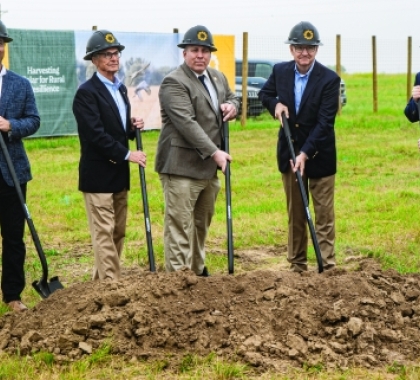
4, 125
280, 108
221, 159
137, 122
415, 92
228, 111
138, 157
300, 163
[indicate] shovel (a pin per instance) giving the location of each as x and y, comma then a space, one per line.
42, 286
146, 208
303, 194
228, 201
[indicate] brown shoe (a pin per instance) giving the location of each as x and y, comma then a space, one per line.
17, 306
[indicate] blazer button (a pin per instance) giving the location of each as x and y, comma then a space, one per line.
297, 125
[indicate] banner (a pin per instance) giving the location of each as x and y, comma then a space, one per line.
47, 59
146, 59
53, 63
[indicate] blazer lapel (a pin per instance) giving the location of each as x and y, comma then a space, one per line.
312, 81
5, 89
290, 86
103, 91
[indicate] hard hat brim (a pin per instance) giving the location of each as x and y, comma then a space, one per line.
88, 56
183, 45
7, 39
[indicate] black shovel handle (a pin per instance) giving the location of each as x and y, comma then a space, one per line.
318, 255
146, 207
35, 238
228, 193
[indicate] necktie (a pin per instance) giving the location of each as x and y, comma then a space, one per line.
201, 77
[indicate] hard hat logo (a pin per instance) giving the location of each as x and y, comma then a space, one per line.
202, 35
308, 34
110, 38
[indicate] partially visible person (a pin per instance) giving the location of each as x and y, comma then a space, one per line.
102, 111
195, 100
411, 109
308, 94
19, 118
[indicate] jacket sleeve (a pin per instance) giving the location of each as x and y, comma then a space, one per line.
268, 94
27, 122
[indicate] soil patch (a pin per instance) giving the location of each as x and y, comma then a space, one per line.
269, 319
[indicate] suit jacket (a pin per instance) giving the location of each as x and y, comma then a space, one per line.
191, 126
312, 129
411, 111
17, 104
103, 140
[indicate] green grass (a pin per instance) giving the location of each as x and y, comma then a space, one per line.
377, 215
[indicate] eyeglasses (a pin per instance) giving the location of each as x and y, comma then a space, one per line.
308, 48
110, 54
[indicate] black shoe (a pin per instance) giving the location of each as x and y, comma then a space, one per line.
204, 273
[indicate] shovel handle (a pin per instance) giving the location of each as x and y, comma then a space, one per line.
318, 255
147, 224
229, 224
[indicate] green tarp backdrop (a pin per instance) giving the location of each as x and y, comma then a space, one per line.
48, 60
53, 62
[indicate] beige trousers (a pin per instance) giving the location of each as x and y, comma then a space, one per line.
322, 194
189, 208
107, 217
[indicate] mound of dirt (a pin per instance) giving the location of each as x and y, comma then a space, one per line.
269, 319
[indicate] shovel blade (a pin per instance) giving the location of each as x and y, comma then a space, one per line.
44, 289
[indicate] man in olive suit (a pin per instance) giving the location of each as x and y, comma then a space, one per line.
195, 100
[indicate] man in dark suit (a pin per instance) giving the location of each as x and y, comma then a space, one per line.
195, 100
411, 109
102, 112
308, 93
18, 118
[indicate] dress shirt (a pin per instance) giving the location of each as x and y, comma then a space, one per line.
113, 88
301, 80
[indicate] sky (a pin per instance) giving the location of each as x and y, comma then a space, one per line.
358, 18
264, 20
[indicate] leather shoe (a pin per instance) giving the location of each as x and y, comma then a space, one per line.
17, 306
204, 273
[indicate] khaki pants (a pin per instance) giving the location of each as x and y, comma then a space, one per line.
189, 208
322, 194
107, 217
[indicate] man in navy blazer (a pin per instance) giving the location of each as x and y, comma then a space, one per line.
102, 111
308, 93
411, 109
18, 118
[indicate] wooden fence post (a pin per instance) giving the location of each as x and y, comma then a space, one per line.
244, 78
409, 68
374, 76
338, 66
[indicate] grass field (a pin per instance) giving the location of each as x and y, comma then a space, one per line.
377, 215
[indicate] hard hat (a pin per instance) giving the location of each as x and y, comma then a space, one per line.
3, 33
101, 40
304, 33
198, 35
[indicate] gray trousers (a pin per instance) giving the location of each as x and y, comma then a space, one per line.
189, 208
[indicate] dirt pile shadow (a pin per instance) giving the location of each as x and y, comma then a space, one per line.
269, 319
